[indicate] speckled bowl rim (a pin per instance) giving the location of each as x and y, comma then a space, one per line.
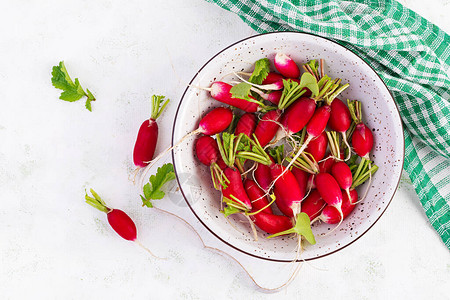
178, 179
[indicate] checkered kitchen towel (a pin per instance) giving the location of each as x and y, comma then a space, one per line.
410, 54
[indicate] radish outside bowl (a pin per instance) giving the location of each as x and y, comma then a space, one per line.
379, 113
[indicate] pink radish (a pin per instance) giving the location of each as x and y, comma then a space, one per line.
286, 66
313, 205
273, 77
122, 224
267, 127
235, 192
290, 194
270, 223
331, 215
220, 91
246, 124
274, 97
329, 190
343, 175
144, 147
257, 197
262, 176
318, 147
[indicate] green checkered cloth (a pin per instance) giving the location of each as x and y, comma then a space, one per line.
410, 54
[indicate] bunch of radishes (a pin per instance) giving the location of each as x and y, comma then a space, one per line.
247, 158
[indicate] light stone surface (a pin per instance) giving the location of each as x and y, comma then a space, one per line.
53, 246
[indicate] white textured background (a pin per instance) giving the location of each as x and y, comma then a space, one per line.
53, 246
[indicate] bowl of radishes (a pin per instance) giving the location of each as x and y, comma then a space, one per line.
292, 142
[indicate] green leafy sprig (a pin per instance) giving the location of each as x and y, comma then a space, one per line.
72, 90
152, 190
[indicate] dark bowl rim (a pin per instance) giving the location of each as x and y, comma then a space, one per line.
178, 180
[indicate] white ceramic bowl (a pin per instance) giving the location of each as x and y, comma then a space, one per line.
380, 114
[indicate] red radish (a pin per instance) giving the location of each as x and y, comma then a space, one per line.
274, 97
271, 223
119, 221
343, 175
262, 176
122, 224
286, 66
267, 127
318, 146
246, 124
144, 147
235, 190
220, 91
207, 150
257, 197
329, 190
313, 204
318, 121
297, 115
326, 164
340, 119
301, 177
215, 121
362, 138
331, 215
311, 185
288, 192
273, 77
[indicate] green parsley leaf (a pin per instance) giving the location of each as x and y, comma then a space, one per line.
152, 190
262, 69
71, 91
241, 91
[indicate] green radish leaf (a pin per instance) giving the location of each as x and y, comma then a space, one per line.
241, 91
277, 153
303, 227
71, 91
230, 210
262, 69
152, 190
88, 105
96, 202
308, 81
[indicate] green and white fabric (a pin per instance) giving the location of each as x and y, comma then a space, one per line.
410, 54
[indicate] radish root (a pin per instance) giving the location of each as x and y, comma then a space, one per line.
223, 253
148, 250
